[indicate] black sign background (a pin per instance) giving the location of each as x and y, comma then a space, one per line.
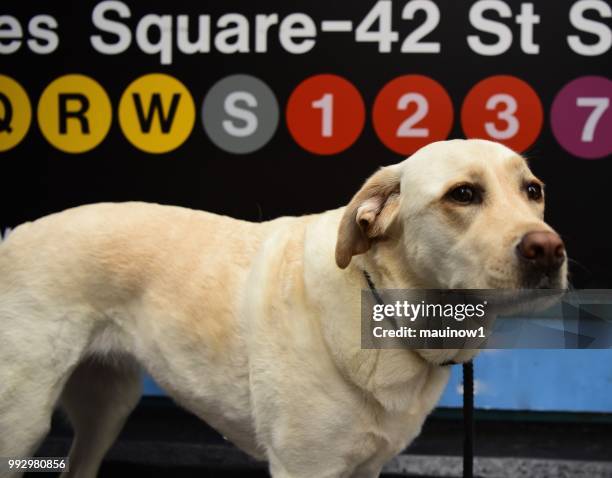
281, 178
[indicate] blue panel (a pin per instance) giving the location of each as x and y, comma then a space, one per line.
538, 380
151, 388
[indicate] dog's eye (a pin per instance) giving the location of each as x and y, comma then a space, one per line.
534, 191
464, 194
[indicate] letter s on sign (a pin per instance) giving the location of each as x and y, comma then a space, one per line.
503, 32
99, 19
599, 29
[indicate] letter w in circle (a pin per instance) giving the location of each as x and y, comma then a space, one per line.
156, 109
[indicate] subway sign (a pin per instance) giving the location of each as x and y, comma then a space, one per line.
325, 113
259, 109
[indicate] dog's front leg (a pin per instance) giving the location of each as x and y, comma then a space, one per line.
304, 467
370, 469
278, 472
368, 472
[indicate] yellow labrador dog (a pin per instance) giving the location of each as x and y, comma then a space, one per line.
255, 328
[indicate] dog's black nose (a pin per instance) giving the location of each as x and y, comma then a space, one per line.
542, 249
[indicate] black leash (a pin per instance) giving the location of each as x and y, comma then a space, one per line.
468, 419
468, 398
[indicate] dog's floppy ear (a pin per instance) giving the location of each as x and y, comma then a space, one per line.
368, 215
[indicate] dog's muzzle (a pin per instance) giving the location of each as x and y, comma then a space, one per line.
541, 255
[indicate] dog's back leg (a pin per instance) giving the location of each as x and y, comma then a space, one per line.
25, 419
98, 398
36, 358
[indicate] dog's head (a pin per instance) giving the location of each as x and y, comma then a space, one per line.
461, 214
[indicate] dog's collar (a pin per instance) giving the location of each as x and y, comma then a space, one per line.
379, 300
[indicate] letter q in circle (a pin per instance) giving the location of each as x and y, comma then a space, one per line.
15, 113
